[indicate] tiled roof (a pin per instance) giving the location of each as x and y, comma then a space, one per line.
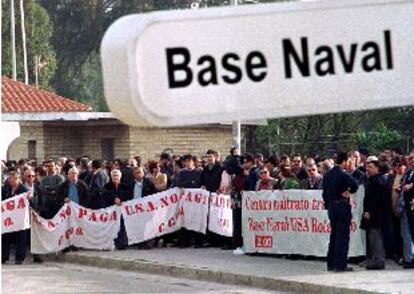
19, 97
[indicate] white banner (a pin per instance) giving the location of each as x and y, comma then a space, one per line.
164, 213
220, 219
51, 235
294, 222
15, 214
94, 229
75, 225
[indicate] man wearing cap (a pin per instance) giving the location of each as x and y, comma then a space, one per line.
337, 187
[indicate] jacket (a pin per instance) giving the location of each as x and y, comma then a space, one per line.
63, 192
377, 202
336, 182
211, 178
111, 192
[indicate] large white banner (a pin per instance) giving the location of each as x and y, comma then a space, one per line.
15, 214
164, 213
51, 235
94, 229
294, 222
220, 220
75, 225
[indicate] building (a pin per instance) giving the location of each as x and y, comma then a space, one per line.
52, 126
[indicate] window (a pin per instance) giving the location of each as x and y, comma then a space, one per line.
108, 149
31, 149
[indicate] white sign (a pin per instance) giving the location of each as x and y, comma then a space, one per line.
220, 219
15, 214
295, 222
164, 213
75, 225
259, 61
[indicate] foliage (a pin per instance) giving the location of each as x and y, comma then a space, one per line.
38, 33
379, 139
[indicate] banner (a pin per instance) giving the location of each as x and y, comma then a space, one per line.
15, 214
75, 225
294, 222
94, 229
51, 235
220, 220
164, 213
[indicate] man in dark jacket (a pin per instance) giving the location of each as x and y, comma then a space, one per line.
73, 189
337, 187
115, 193
211, 174
251, 172
142, 186
189, 177
49, 187
99, 179
11, 188
377, 213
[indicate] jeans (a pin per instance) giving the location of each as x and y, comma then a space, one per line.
408, 245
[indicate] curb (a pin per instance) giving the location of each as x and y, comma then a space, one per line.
201, 273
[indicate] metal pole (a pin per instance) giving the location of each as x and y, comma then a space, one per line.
236, 124
26, 72
13, 40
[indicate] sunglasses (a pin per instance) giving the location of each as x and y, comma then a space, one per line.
30, 176
263, 172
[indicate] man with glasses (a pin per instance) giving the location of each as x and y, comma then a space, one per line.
314, 180
298, 169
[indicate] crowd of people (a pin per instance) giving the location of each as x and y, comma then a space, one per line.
388, 204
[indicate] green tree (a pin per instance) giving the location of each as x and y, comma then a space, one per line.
38, 33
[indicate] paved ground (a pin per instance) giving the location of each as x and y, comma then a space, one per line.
53, 277
259, 271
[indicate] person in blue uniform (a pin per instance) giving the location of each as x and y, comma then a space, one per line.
337, 187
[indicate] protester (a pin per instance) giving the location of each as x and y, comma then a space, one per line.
155, 175
337, 187
288, 181
189, 177
407, 213
251, 172
211, 174
297, 168
99, 179
12, 188
314, 179
115, 192
377, 213
73, 189
265, 182
49, 186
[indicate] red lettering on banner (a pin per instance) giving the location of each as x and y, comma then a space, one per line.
174, 198
51, 224
161, 228
79, 231
8, 222
197, 197
320, 226
82, 212
113, 216
189, 197
318, 204
22, 203
263, 241
10, 205
103, 217
299, 224
276, 226
151, 206
224, 222
255, 225
164, 201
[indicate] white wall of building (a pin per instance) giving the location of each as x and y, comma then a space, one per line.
9, 131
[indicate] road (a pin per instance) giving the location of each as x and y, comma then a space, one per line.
69, 278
